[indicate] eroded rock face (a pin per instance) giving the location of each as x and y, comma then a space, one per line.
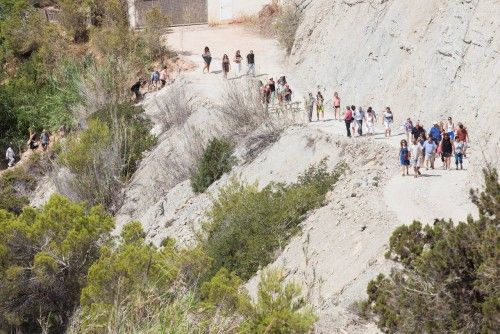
426, 59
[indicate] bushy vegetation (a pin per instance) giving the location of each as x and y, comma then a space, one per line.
448, 278
217, 160
138, 288
247, 225
14, 184
44, 258
47, 68
60, 270
105, 155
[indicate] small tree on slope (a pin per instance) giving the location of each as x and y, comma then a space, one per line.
449, 279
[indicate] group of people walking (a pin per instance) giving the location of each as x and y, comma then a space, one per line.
272, 91
34, 143
157, 80
226, 63
422, 148
444, 140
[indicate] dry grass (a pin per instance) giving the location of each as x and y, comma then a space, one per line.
246, 118
176, 107
154, 311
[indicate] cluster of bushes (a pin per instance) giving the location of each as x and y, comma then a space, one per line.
78, 72
62, 271
247, 225
44, 259
447, 279
47, 69
217, 159
105, 155
14, 184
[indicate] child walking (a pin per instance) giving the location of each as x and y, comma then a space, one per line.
404, 157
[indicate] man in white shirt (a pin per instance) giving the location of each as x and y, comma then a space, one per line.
359, 116
429, 149
10, 156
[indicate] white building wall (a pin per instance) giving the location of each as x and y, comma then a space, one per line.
239, 8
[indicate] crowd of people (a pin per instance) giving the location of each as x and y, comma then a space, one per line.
35, 143
157, 80
444, 140
419, 149
422, 148
226, 63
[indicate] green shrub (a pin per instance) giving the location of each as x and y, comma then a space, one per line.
216, 160
123, 271
106, 154
224, 292
246, 225
447, 279
279, 309
15, 185
44, 258
134, 133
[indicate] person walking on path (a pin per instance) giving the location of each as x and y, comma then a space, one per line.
450, 128
371, 118
45, 139
320, 107
288, 93
446, 151
251, 63
408, 128
387, 121
155, 80
415, 153
418, 130
32, 141
237, 60
10, 156
430, 153
136, 89
226, 65
359, 116
336, 105
353, 122
404, 157
464, 137
207, 58
163, 76
280, 92
272, 87
348, 119
310, 101
459, 147
435, 133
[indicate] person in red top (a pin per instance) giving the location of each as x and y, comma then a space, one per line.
463, 135
348, 119
336, 105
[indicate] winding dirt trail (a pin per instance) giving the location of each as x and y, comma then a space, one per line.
343, 243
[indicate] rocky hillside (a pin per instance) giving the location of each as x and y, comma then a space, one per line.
425, 59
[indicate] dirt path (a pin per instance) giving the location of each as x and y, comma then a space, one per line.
437, 194
343, 243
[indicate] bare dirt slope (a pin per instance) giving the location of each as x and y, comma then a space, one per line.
426, 59
342, 244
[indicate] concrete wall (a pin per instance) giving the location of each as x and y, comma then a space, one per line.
239, 8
